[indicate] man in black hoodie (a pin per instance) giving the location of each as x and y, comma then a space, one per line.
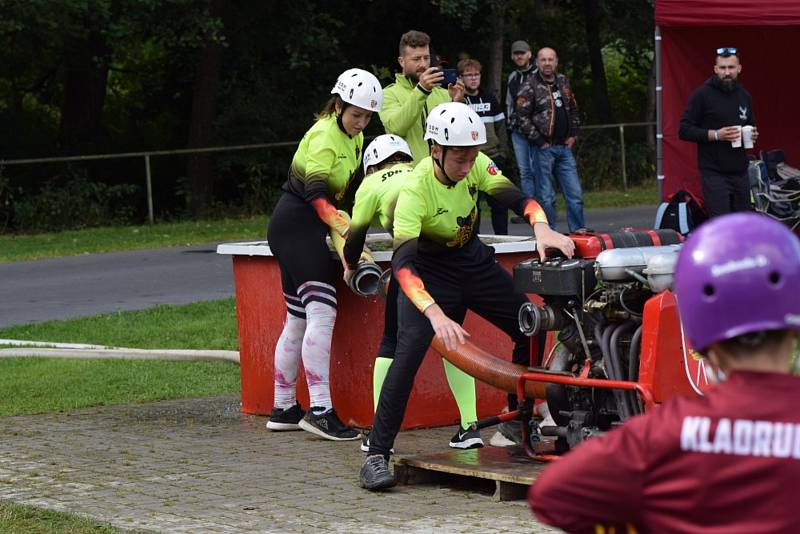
713, 119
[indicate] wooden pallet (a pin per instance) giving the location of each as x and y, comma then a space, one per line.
510, 469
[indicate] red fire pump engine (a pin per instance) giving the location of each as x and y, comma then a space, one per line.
620, 347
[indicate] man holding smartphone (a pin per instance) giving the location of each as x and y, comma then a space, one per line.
417, 89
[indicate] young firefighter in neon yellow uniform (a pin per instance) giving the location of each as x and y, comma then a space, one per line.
386, 166
444, 269
322, 168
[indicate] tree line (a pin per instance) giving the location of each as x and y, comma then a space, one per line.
104, 76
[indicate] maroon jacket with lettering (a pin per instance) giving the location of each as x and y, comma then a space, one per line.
725, 463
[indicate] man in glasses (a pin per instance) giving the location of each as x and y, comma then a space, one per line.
713, 119
485, 104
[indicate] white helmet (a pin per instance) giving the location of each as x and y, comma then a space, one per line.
384, 146
455, 124
360, 88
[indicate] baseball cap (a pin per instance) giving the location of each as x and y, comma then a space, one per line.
520, 46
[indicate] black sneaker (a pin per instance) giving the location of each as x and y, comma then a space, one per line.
285, 419
466, 439
365, 443
327, 425
511, 430
375, 474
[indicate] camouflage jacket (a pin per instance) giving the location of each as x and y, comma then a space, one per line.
535, 108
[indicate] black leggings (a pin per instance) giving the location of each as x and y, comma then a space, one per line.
296, 237
483, 287
389, 340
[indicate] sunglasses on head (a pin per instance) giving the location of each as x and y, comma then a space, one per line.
726, 51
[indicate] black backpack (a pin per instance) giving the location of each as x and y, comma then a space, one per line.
681, 212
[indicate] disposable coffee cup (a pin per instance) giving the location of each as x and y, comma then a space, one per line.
736, 143
747, 136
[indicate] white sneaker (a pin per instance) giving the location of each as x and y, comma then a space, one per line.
499, 440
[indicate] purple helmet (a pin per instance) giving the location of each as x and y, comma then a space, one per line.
738, 274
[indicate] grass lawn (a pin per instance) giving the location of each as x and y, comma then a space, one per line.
201, 325
44, 385
39, 385
634, 196
15, 518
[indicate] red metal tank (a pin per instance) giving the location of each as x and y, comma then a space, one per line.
260, 313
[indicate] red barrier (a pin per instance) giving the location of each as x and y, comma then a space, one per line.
260, 312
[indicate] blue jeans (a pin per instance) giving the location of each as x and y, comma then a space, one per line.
557, 160
522, 151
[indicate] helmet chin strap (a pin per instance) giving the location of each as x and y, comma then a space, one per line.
339, 118
440, 163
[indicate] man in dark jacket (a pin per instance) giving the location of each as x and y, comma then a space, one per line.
713, 119
547, 114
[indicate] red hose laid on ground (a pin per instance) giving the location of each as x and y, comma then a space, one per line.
498, 373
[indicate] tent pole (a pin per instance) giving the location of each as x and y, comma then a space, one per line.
659, 134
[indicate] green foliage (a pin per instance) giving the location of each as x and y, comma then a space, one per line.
70, 202
599, 161
628, 84
278, 63
318, 40
263, 187
461, 10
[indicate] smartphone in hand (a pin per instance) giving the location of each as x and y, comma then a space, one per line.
450, 77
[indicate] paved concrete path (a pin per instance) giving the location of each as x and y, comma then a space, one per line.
201, 466
60, 288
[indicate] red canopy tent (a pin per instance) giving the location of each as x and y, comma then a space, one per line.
767, 34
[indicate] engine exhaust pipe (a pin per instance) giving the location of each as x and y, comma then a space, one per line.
498, 373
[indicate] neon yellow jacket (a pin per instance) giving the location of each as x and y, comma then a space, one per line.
405, 108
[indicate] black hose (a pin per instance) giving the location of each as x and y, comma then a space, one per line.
598, 334
633, 366
614, 351
604, 340
614, 370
